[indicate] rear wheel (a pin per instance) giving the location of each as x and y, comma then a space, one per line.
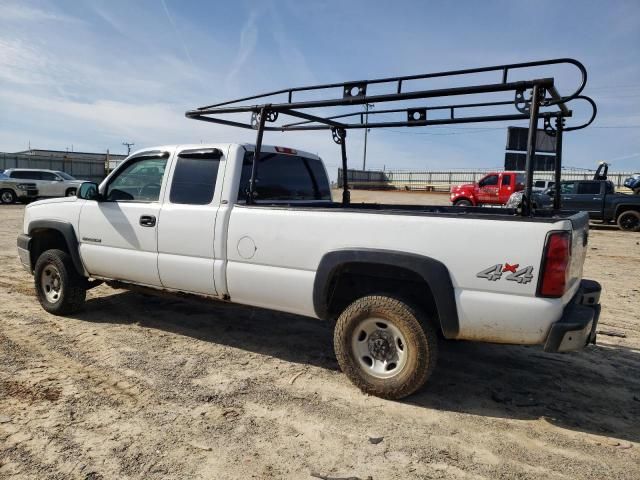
71, 192
383, 346
462, 203
7, 197
629, 221
60, 288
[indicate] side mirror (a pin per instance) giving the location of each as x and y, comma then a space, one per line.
89, 191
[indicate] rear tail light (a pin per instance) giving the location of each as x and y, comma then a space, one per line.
555, 266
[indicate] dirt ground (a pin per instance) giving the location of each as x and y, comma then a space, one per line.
151, 387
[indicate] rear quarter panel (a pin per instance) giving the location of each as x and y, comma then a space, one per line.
273, 254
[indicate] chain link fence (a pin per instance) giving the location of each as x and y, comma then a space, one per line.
442, 180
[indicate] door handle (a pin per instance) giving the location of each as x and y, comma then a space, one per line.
148, 221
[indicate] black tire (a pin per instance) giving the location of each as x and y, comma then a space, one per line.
463, 203
420, 341
7, 196
629, 221
72, 286
71, 192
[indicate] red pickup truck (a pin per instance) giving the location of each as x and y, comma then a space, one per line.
494, 188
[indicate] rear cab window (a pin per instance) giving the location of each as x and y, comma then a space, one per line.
284, 178
194, 177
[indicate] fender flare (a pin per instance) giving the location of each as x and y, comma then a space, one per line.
434, 273
69, 234
620, 206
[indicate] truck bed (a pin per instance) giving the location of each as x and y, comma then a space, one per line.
479, 213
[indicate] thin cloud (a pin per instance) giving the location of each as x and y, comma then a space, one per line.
178, 34
25, 13
248, 42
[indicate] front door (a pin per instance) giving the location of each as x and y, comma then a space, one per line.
118, 234
488, 189
568, 199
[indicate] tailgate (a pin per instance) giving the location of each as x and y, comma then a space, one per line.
579, 236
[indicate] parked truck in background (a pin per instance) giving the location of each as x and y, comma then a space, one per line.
601, 201
494, 188
392, 279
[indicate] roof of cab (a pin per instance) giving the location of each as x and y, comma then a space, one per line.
247, 146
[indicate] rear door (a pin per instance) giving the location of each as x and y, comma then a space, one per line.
187, 221
589, 197
50, 185
506, 187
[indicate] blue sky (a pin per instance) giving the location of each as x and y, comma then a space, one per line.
93, 74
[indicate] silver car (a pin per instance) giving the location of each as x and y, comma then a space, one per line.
50, 183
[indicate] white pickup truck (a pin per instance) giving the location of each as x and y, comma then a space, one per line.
392, 278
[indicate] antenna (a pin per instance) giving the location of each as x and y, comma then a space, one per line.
128, 145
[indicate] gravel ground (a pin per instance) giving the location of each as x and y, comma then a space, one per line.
152, 387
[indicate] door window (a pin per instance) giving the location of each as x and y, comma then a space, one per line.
567, 187
490, 180
589, 188
285, 177
139, 181
506, 180
48, 176
194, 180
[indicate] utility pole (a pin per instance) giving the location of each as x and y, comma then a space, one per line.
366, 130
128, 145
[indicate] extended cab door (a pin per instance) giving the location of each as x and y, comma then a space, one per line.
589, 197
488, 189
507, 187
187, 220
568, 197
118, 234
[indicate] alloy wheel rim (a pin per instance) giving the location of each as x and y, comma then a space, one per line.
6, 197
379, 347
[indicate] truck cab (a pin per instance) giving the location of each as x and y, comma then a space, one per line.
494, 188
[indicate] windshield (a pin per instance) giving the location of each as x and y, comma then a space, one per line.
66, 176
3, 175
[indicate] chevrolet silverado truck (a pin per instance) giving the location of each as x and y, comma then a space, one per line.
391, 279
495, 188
12, 190
600, 200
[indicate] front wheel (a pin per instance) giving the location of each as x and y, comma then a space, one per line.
7, 197
383, 346
462, 203
71, 192
629, 221
60, 288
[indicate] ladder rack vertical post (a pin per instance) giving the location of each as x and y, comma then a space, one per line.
531, 149
558, 171
256, 155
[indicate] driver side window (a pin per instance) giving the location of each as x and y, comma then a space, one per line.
139, 181
489, 181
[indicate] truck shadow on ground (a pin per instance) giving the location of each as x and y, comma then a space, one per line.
594, 391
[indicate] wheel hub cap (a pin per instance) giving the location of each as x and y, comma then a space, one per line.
381, 346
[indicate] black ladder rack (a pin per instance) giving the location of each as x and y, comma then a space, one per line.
532, 100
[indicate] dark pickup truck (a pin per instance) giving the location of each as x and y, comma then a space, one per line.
600, 200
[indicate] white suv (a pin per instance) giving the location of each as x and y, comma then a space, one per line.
50, 183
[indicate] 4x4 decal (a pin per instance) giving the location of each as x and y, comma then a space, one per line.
494, 273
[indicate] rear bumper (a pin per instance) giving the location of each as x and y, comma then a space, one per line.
577, 327
24, 251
